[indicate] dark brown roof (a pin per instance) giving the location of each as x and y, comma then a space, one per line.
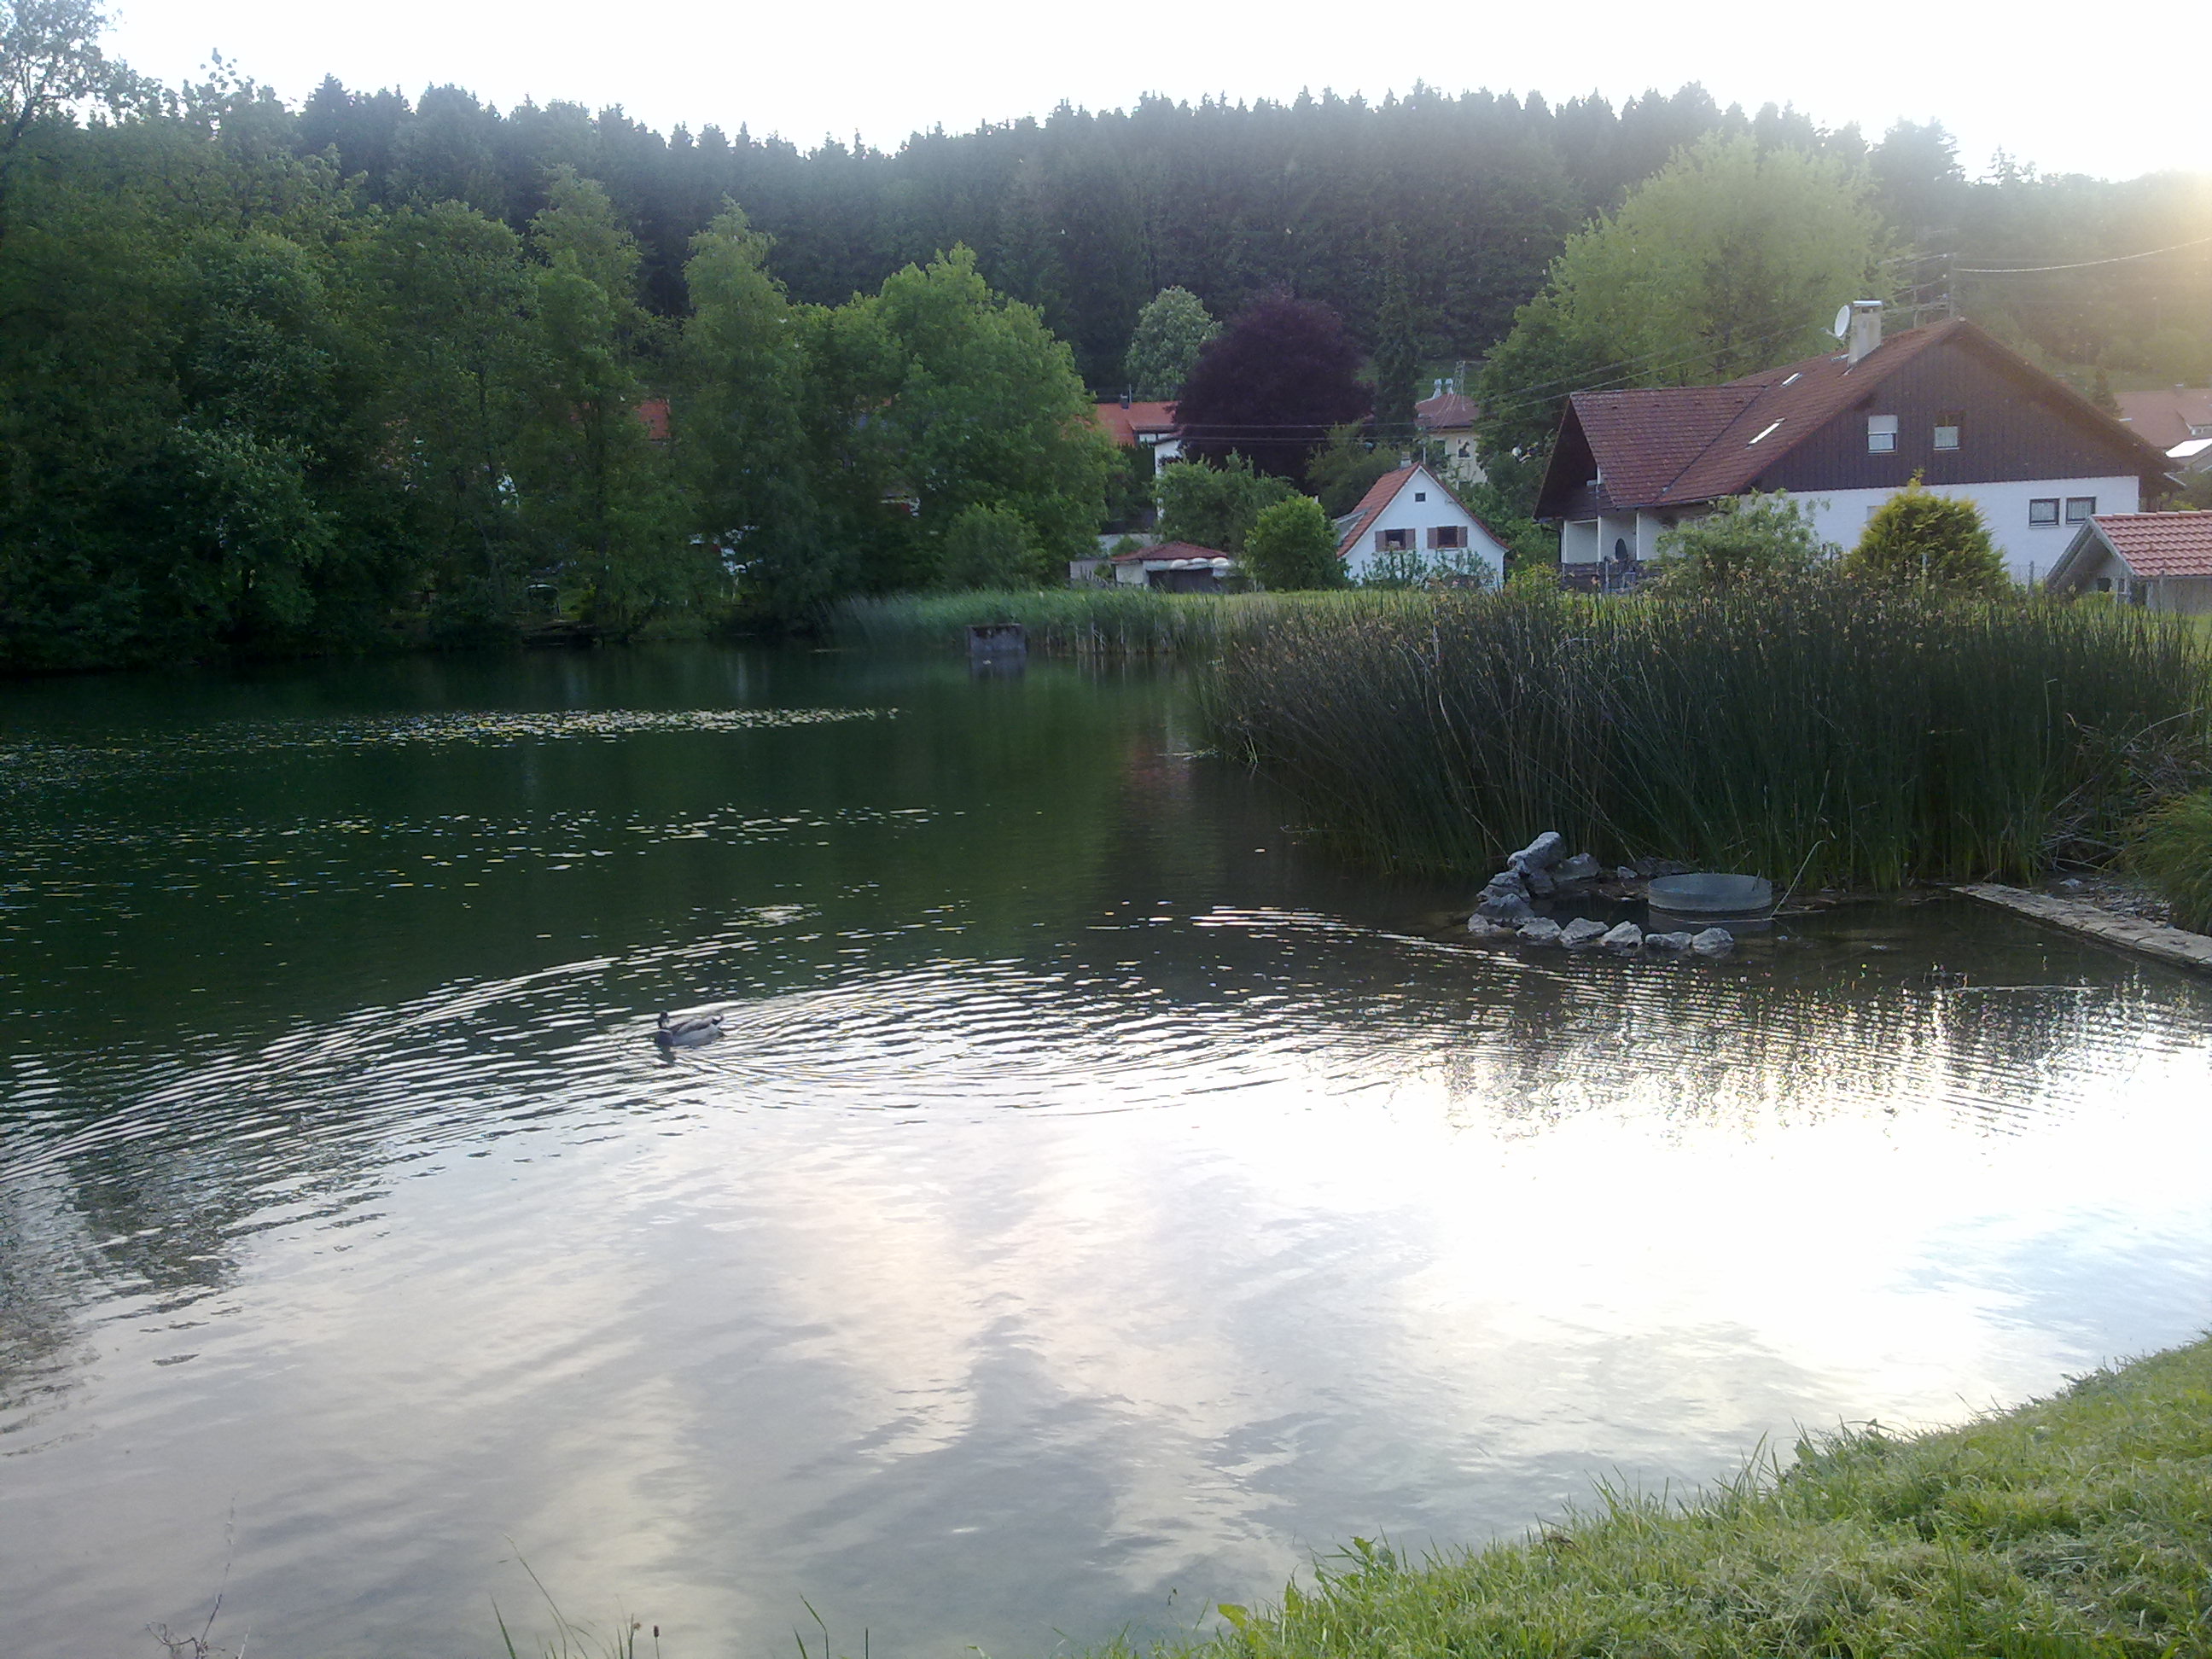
2160, 543
1677, 445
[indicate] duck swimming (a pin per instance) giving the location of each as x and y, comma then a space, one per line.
690, 1032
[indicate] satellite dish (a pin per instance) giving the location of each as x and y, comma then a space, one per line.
1842, 325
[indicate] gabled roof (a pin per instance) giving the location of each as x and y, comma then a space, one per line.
2163, 418
1447, 411
1123, 422
2150, 544
1383, 491
1678, 446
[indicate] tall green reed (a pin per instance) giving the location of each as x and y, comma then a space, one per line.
1856, 736
1112, 622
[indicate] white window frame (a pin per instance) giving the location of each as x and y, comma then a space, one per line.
1955, 428
1882, 434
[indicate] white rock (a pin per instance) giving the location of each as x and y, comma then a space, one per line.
1542, 931
1581, 933
1673, 943
1623, 936
1581, 867
1481, 926
1506, 881
1713, 942
1539, 882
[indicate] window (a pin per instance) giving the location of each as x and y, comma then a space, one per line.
1420, 495
2043, 509
1873, 507
1948, 425
1467, 452
2079, 509
2103, 583
1448, 535
1386, 541
1881, 434
1767, 431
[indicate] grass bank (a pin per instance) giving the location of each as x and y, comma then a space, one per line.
1109, 622
1823, 732
2080, 1525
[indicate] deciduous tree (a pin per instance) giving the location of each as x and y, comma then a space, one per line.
1171, 329
1292, 545
1272, 386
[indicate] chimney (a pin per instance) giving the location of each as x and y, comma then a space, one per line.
1440, 390
1866, 329
1130, 392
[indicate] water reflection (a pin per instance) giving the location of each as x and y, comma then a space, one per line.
1095, 1198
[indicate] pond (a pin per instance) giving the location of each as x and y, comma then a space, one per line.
1101, 1205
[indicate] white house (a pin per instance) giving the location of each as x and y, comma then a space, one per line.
1843, 433
1411, 511
2161, 561
1446, 418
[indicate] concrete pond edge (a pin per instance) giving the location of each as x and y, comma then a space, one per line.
2151, 938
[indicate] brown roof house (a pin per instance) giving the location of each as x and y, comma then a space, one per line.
1148, 426
2161, 561
1845, 432
2177, 420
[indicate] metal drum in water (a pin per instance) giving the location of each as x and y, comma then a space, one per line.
1742, 904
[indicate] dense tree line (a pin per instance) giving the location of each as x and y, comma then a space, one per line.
242, 409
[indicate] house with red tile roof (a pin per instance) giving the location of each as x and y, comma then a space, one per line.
1147, 425
1412, 511
2161, 561
1843, 433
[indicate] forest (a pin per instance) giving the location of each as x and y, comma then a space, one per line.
277, 378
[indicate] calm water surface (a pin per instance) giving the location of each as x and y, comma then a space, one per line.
1100, 1206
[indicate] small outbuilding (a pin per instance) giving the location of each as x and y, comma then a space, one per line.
1173, 567
2161, 561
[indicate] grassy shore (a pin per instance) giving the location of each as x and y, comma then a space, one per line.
2080, 1525
1107, 622
1822, 732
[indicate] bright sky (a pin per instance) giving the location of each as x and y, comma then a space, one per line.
2061, 92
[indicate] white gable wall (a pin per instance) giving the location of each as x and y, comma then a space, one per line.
1417, 518
2029, 550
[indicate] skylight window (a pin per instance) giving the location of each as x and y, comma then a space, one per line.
1796, 376
1771, 426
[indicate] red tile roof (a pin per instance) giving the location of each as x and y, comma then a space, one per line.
2164, 417
653, 414
1122, 423
1674, 445
2160, 543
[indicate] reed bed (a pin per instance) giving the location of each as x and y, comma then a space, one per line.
1819, 733
1111, 622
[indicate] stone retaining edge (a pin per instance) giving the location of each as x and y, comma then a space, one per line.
2174, 944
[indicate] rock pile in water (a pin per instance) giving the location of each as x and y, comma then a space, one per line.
1507, 908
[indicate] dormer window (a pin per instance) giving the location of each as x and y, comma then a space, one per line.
1948, 425
1881, 434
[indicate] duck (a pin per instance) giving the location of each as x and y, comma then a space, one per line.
688, 1032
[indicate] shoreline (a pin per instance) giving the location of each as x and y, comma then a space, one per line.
2074, 1524
2176, 945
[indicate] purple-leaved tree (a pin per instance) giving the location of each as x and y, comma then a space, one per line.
1270, 385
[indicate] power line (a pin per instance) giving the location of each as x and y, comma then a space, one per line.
2079, 264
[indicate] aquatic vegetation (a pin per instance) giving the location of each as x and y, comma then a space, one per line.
1816, 731
2073, 1525
2173, 852
1099, 622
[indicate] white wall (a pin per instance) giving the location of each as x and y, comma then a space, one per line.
2029, 551
1404, 512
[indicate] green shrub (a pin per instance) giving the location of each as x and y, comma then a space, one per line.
1292, 546
990, 547
1214, 506
2173, 852
1920, 539
1745, 538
